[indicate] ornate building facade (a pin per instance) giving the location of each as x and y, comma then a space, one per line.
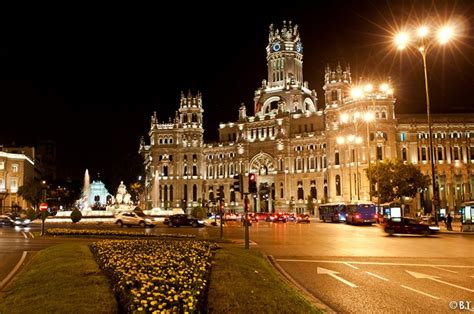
299, 151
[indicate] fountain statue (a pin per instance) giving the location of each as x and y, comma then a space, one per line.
123, 200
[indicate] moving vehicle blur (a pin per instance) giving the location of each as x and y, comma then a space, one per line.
404, 225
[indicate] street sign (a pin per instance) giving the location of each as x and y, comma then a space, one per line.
43, 207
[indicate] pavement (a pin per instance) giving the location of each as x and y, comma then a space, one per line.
456, 226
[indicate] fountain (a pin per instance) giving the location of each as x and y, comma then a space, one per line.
84, 202
123, 200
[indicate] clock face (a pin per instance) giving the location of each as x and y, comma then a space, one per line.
276, 46
299, 47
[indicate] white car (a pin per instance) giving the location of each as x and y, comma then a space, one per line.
133, 219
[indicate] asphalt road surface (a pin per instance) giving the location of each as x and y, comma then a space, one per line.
352, 269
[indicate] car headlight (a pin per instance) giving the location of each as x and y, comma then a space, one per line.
148, 220
434, 228
17, 222
200, 221
26, 221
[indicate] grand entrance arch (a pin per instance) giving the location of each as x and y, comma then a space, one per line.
262, 164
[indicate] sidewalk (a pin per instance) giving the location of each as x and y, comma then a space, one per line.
456, 228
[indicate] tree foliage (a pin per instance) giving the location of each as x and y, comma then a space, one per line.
395, 180
31, 192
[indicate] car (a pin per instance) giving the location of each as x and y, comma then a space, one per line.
130, 218
8, 221
251, 217
179, 220
276, 217
302, 218
406, 225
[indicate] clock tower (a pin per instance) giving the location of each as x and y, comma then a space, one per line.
284, 90
284, 55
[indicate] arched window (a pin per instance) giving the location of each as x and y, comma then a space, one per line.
404, 154
338, 185
232, 196
165, 171
194, 170
185, 171
166, 193
336, 158
171, 193
195, 192
300, 192
194, 118
185, 192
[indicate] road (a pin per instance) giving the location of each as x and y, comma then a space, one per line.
352, 269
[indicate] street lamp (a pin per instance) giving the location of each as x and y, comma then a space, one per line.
423, 42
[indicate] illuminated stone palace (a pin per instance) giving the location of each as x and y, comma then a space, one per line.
300, 151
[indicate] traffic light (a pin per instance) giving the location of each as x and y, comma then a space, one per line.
237, 183
252, 183
220, 193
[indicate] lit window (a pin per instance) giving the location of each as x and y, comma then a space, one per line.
2, 165
403, 137
15, 168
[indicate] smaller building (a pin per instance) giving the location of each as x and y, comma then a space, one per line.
17, 166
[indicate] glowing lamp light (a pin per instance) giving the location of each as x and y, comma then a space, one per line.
445, 34
344, 118
422, 31
356, 93
401, 40
358, 140
368, 116
340, 140
368, 88
384, 87
356, 115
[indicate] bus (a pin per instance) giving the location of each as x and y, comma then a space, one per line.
361, 212
333, 212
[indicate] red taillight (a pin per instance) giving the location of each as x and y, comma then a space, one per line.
375, 216
357, 216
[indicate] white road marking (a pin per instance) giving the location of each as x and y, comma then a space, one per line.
368, 263
31, 235
14, 270
435, 278
421, 292
377, 276
351, 265
451, 271
324, 271
24, 235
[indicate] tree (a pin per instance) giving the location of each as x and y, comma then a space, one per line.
396, 180
30, 191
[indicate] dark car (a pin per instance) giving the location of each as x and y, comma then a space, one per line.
397, 225
302, 218
183, 220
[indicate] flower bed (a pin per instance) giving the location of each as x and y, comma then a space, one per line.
120, 233
156, 275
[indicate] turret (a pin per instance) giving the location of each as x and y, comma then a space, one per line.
337, 85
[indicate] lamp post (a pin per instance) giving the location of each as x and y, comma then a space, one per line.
423, 43
368, 117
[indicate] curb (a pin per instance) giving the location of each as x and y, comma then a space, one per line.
305, 293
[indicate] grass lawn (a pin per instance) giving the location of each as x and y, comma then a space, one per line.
243, 281
60, 279
66, 279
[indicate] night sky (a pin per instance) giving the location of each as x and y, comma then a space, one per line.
90, 78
